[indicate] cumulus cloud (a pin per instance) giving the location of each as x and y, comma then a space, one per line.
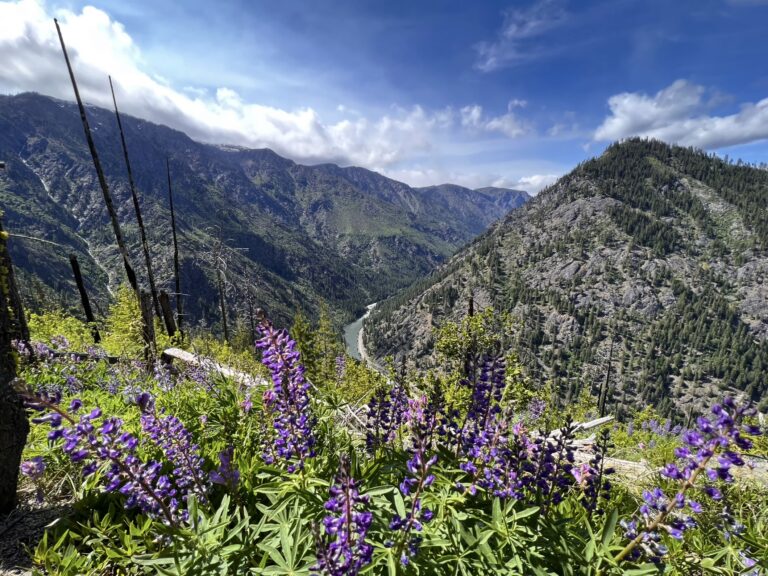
678, 114
535, 183
32, 60
473, 118
532, 184
513, 42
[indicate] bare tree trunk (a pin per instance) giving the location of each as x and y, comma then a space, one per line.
14, 426
148, 328
137, 209
100, 172
223, 304
84, 298
602, 399
176, 273
250, 316
165, 305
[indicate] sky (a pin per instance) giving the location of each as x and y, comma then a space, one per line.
476, 93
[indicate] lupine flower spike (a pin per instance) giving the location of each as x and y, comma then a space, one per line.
710, 451
343, 550
287, 400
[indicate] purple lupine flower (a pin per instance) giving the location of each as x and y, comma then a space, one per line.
386, 412
536, 409
162, 376
226, 475
715, 440
341, 365
591, 476
33, 468
98, 442
421, 424
342, 550
169, 434
502, 458
485, 403
288, 399
60, 343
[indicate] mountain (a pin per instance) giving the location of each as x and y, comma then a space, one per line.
291, 235
642, 274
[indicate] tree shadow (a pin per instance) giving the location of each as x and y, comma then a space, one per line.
22, 529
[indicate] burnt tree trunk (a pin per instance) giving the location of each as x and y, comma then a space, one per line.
148, 328
100, 172
14, 425
222, 304
84, 298
165, 305
176, 266
137, 209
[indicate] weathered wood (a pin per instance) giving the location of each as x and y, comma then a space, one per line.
148, 327
603, 396
165, 306
171, 354
176, 267
251, 318
18, 326
137, 208
83, 356
99, 171
14, 426
84, 298
220, 286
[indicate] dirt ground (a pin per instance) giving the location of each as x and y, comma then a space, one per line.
23, 528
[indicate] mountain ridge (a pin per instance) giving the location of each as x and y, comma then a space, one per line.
652, 255
294, 232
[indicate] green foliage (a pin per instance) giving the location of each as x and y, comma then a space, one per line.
484, 332
265, 526
123, 326
306, 341
45, 326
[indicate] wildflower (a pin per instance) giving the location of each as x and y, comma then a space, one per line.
421, 422
33, 468
99, 442
715, 440
386, 411
287, 399
169, 434
225, 474
343, 550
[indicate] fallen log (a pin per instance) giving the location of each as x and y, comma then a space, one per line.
171, 354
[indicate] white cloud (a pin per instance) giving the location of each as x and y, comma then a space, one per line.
32, 60
427, 176
535, 183
677, 114
520, 27
473, 118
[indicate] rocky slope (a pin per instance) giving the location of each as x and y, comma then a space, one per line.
292, 235
641, 274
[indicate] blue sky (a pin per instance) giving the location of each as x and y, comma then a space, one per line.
478, 93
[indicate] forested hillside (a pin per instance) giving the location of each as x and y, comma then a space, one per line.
640, 275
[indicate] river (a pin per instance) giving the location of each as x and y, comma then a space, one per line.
353, 334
